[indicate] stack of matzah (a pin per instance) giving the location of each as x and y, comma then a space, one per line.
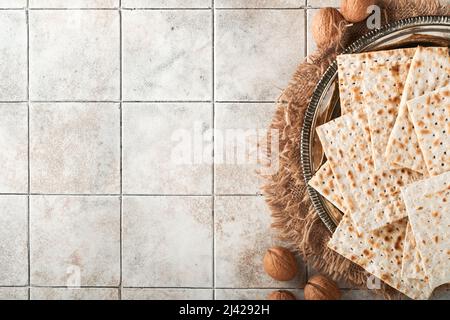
388, 166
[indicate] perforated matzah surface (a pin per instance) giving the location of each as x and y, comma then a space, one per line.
372, 198
412, 266
383, 83
430, 70
428, 206
379, 253
324, 182
430, 115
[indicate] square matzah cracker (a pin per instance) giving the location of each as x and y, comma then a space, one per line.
383, 82
428, 206
380, 253
430, 115
372, 198
430, 70
350, 73
412, 266
324, 182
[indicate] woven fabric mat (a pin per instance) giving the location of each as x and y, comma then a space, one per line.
293, 214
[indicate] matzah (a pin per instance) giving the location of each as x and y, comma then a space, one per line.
430, 70
350, 77
430, 115
324, 182
428, 206
383, 82
412, 266
350, 71
372, 198
380, 253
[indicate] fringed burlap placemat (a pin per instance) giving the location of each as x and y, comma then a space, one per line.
292, 211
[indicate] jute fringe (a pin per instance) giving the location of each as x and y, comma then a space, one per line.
293, 214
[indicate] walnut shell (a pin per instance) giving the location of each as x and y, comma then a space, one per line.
356, 10
280, 264
321, 288
326, 25
281, 295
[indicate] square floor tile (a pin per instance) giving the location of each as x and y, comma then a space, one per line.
166, 294
242, 236
256, 52
74, 55
324, 3
167, 55
251, 294
13, 240
75, 241
311, 43
241, 131
167, 241
75, 148
259, 3
166, 3
74, 294
74, 3
13, 3
14, 146
167, 148
13, 293
13, 48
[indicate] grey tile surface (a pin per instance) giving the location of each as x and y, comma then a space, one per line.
166, 294
13, 46
13, 241
259, 3
242, 236
167, 55
166, 3
13, 3
74, 3
160, 144
75, 148
324, 3
74, 294
13, 293
239, 139
311, 43
13, 143
74, 55
75, 241
256, 52
167, 242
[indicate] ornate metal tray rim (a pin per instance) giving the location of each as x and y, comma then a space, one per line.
327, 80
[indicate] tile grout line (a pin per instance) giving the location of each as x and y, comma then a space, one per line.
28, 150
121, 155
213, 149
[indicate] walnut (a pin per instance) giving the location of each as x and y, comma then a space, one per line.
321, 288
280, 264
281, 295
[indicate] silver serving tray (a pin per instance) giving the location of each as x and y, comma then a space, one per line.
324, 105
